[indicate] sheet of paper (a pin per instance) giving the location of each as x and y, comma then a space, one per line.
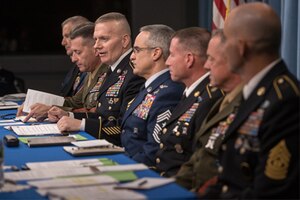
11, 123
14, 97
8, 105
43, 129
106, 192
127, 167
145, 183
9, 187
7, 121
21, 118
34, 96
64, 164
93, 143
47, 173
73, 181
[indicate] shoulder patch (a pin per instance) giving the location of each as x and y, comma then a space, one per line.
278, 162
283, 84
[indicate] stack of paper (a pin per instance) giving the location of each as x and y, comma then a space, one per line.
31, 130
105, 192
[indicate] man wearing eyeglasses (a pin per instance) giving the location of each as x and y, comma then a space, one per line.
156, 100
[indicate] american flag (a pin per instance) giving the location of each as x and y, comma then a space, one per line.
221, 8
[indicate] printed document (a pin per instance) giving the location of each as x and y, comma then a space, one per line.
73, 181
34, 96
42, 129
105, 192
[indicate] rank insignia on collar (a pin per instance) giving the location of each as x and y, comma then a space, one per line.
261, 91
196, 94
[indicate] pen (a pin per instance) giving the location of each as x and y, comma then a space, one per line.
142, 183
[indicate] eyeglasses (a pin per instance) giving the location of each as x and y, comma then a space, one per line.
131, 65
139, 49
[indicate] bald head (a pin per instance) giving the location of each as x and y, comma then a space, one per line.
258, 25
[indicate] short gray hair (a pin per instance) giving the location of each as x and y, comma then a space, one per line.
86, 31
160, 36
117, 17
75, 21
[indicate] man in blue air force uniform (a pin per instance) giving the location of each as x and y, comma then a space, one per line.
158, 98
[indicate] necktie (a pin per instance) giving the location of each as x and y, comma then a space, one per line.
142, 88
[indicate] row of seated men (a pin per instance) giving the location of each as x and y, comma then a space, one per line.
219, 112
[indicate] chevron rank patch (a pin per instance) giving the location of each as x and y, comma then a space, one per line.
160, 123
278, 162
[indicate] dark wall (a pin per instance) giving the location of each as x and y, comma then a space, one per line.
34, 27
33, 31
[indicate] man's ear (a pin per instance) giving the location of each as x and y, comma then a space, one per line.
125, 41
189, 59
242, 48
157, 53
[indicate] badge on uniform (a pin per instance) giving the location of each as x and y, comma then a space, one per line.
143, 109
219, 131
76, 82
113, 91
98, 84
160, 123
251, 126
277, 166
247, 139
187, 116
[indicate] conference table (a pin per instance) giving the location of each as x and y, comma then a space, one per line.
19, 156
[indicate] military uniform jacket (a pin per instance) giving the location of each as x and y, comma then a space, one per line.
139, 135
86, 97
72, 82
203, 163
260, 154
120, 87
178, 132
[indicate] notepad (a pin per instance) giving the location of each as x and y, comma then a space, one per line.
77, 151
93, 143
50, 141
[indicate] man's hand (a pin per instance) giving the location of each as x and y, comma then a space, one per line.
55, 113
20, 111
38, 111
68, 124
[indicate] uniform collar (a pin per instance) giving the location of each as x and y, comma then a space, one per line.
114, 66
155, 76
249, 87
190, 89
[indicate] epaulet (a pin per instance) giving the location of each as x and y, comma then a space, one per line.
284, 85
212, 89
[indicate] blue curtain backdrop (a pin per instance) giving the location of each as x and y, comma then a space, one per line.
288, 10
